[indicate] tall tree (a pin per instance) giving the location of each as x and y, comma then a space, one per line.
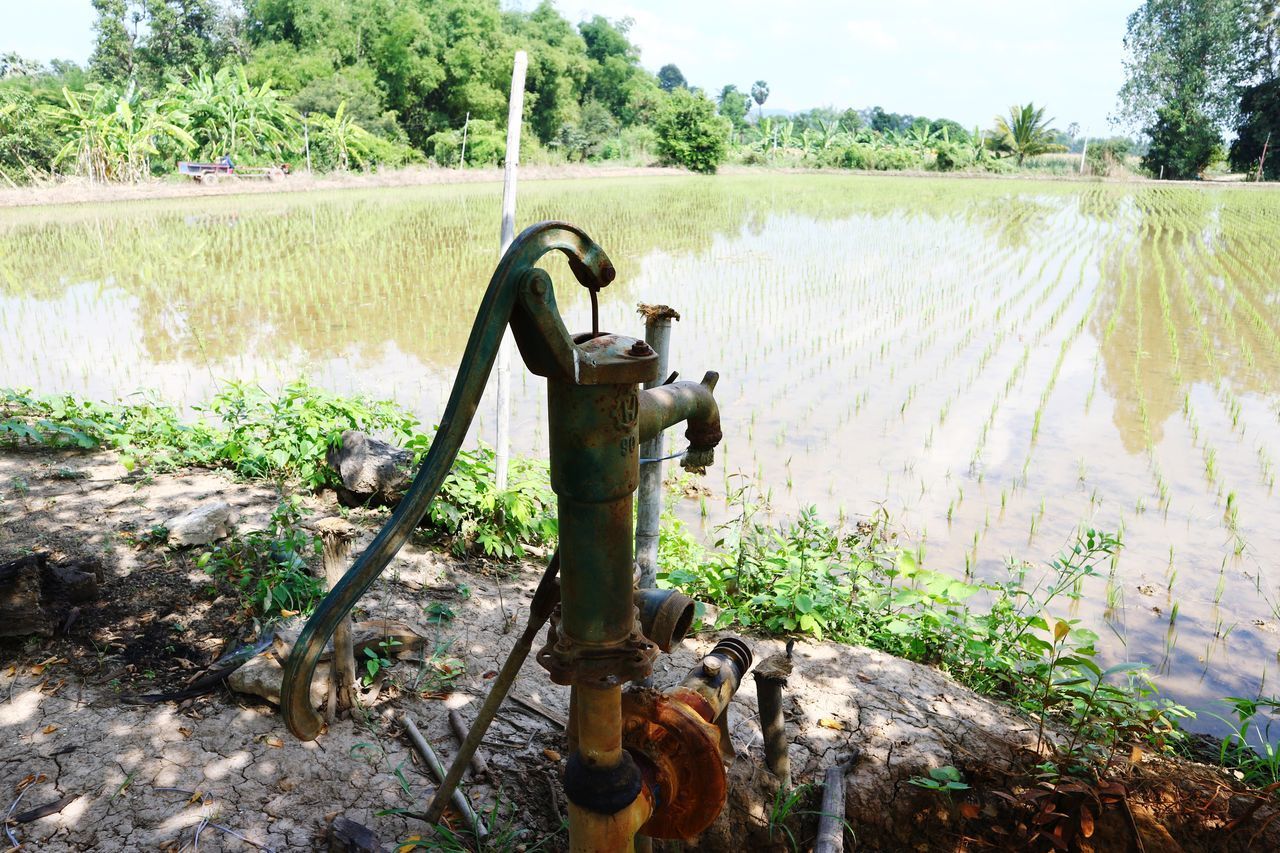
1192, 53
112, 60
760, 94
181, 37
1184, 141
671, 78
733, 105
1258, 130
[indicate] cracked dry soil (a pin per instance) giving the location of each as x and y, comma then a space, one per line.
222, 769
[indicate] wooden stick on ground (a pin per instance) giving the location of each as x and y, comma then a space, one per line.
831, 819
458, 799
479, 767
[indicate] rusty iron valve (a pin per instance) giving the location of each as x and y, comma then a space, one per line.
602, 634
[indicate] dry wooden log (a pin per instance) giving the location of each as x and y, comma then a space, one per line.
21, 600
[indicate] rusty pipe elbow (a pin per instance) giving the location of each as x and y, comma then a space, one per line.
665, 616
668, 405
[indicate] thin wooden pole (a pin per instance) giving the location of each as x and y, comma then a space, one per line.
1263, 158
515, 116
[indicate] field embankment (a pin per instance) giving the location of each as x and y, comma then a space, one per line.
80, 191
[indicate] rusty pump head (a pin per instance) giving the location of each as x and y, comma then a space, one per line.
598, 416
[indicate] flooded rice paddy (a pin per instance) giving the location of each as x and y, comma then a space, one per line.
993, 362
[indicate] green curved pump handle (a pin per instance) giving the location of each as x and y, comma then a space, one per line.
547, 348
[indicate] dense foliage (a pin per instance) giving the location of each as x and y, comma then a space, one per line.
690, 134
1196, 68
1258, 131
1184, 142
1001, 639
343, 84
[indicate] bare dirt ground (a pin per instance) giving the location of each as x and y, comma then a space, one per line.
79, 191
221, 772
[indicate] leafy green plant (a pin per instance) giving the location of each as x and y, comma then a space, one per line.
476, 515
378, 660
785, 804
1260, 765
943, 780
269, 568
287, 434
855, 586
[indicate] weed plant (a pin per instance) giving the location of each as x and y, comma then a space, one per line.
806, 577
284, 437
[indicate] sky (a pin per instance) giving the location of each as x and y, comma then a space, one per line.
938, 58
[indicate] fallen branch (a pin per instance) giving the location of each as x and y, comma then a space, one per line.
479, 767
458, 799
831, 819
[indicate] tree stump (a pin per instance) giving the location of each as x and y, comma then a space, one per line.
336, 535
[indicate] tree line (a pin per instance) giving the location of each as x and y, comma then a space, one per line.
364, 83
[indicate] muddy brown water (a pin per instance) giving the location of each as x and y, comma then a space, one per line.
994, 362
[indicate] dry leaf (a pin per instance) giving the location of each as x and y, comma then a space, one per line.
970, 810
185, 731
409, 844
551, 754
11, 671
273, 741
49, 729
287, 613
1135, 755
1086, 822
828, 723
37, 669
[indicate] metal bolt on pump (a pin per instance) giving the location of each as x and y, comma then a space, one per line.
641, 762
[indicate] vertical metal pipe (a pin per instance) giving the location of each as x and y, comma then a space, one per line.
771, 676
657, 332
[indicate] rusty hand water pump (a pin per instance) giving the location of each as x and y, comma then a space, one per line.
645, 762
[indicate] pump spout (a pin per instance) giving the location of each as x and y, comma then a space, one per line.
668, 405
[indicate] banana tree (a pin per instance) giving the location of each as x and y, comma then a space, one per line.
346, 140
111, 136
229, 115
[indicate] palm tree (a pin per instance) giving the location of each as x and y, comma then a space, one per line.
760, 94
1025, 133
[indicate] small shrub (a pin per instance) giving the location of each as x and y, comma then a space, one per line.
269, 568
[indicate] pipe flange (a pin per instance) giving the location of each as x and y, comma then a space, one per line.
570, 663
679, 753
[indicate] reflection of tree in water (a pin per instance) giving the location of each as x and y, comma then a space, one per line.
321, 274
1013, 221
1174, 233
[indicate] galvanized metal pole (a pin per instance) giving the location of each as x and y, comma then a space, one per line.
515, 115
657, 331
462, 159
